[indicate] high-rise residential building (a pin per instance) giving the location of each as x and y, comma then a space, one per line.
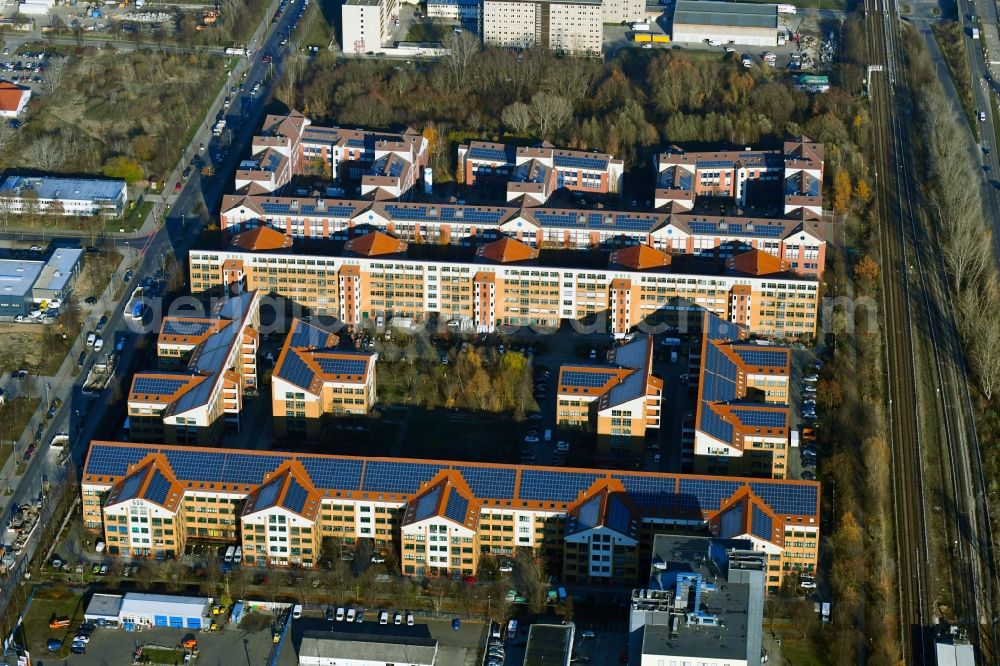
366, 24
432, 517
207, 364
507, 282
570, 26
312, 380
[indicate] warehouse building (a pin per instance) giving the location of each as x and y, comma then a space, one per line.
570, 26
25, 285
334, 648
698, 21
148, 610
46, 195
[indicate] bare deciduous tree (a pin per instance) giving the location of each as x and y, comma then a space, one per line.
46, 153
551, 112
517, 117
462, 48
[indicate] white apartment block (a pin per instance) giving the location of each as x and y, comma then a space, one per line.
629, 11
573, 26
366, 24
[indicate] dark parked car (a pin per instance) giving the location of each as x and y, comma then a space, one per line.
81, 358
28, 452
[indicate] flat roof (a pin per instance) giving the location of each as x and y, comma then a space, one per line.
368, 647
17, 276
136, 603
104, 605
736, 14
548, 644
59, 269
736, 606
48, 187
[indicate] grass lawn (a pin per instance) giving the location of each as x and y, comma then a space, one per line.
51, 601
133, 221
427, 31
994, 101
163, 655
801, 651
951, 42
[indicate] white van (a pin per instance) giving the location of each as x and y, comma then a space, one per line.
238, 555
340, 614
98, 344
296, 611
548, 434
91, 338
230, 552
383, 617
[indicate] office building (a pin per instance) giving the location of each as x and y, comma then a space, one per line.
344, 648
742, 23
455, 10
507, 282
704, 603
438, 518
619, 401
207, 364
137, 610
570, 26
534, 173
313, 380
366, 24
26, 285
379, 164
49, 195
742, 420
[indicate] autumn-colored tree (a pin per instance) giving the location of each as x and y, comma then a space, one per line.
866, 270
124, 168
841, 190
863, 192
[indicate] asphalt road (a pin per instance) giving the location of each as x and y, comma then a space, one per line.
81, 416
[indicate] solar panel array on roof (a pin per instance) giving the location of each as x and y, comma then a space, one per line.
397, 476
546, 486
761, 524
709, 493
185, 328
427, 504
731, 521
587, 515
487, 153
113, 460
295, 496
715, 426
272, 208
329, 474
457, 507
471, 215
720, 329
158, 488
579, 162
719, 376
341, 366
654, 494
244, 468
492, 482
762, 357
788, 499
196, 465
750, 229
157, 385
595, 378
130, 488
306, 335
619, 516
715, 164
395, 168
293, 369
268, 495
760, 418
406, 213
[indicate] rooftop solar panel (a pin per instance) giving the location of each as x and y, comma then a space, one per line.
709, 493
588, 514
106, 460
306, 335
244, 468
787, 498
586, 379
619, 516
761, 419
268, 495
341, 366
457, 507
763, 358
293, 369
185, 328
383, 476
731, 521
157, 385
579, 162
761, 524
546, 486
491, 482
130, 488
295, 496
197, 465
427, 504
158, 488
333, 474
486, 153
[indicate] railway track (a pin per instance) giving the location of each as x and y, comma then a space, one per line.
912, 273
